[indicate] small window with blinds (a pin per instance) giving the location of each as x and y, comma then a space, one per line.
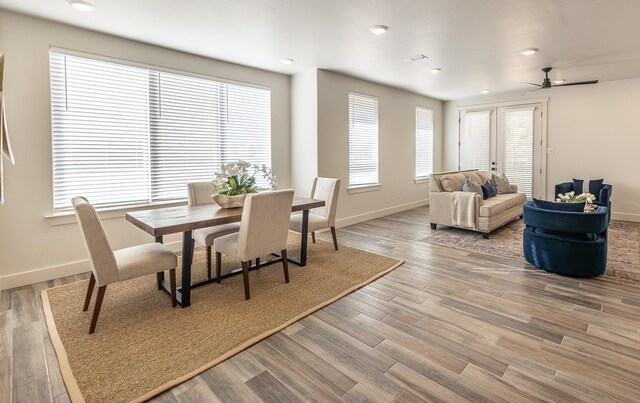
424, 143
515, 147
363, 140
124, 135
474, 140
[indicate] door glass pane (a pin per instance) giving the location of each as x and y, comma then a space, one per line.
474, 140
515, 148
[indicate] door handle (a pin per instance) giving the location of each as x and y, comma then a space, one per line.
493, 169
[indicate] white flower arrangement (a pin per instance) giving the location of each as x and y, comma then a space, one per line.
572, 198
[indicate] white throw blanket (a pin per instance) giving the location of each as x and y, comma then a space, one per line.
463, 209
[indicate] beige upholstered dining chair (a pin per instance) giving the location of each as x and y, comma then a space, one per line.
264, 229
323, 217
199, 194
108, 266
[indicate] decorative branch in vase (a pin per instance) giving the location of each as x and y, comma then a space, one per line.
237, 179
571, 197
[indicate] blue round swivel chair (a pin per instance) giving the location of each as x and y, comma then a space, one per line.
568, 243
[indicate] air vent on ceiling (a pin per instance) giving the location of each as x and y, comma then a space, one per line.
415, 58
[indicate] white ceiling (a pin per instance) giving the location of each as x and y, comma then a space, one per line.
475, 42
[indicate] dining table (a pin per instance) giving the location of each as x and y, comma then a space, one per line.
159, 222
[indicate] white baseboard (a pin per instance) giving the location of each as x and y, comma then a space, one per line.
343, 222
53, 272
625, 216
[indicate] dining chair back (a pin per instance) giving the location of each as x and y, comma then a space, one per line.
200, 193
101, 257
326, 189
264, 228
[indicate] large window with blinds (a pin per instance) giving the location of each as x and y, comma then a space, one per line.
125, 135
363, 140
424, 142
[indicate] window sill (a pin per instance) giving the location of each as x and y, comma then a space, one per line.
364, 188
421, 180
69, 217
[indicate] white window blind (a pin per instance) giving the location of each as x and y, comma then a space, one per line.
474, 140
363, 140
125, 135
424, 142
516, 148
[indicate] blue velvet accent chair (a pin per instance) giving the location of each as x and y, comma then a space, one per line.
568, 243
603, 197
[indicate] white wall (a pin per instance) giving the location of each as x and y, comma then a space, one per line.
304, 123
593, 131
31, 249
396, 114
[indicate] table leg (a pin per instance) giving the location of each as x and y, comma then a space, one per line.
187, 257
305, 235
160, 276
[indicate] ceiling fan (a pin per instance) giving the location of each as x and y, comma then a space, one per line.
547, 82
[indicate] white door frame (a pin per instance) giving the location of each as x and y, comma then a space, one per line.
542, 175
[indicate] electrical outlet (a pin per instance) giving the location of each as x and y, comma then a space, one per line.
550, 150
397, 194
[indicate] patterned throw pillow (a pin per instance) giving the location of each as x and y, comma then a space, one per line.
472, 186
587, 186
501, 183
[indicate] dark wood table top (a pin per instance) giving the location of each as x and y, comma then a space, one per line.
171, 220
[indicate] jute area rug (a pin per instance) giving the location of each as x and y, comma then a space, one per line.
623, 257
142, 346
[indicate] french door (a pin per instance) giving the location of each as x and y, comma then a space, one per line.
507, 140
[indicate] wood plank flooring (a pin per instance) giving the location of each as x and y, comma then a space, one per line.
447, 326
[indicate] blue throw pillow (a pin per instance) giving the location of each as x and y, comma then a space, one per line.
559, 206
587, 186
488, 190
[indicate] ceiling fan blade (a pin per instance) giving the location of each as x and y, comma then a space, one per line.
537, 89
577, 83
537, 85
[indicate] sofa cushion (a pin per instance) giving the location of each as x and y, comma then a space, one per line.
473, 176
501, 203
453, 182
484, 177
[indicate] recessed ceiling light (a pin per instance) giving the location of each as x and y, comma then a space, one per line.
82, 5
485, 91
286, 61
528, 51
435, 70
560, 81
378, 29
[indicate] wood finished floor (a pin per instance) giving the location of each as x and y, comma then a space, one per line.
448, 325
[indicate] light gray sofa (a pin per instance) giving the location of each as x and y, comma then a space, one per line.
451, 207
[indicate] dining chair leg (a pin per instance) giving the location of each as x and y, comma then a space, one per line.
285, 265
245, 277
218, 266
172, 284
257, 263
87, 300
313, 237
160, 279
96, 309
335, 238
209, 262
